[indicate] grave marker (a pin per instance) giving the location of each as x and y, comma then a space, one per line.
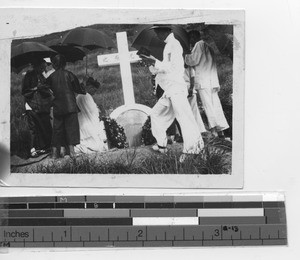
131, 116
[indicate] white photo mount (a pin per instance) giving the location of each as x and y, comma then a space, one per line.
47, 20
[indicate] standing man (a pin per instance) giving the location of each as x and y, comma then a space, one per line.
38, 102
207, 82
174, 103
64, 85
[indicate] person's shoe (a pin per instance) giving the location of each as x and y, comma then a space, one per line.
221, 135
72, 151
54, 154
63, 151
33, 153
159, 148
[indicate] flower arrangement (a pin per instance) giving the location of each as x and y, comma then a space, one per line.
147, 137
115, 133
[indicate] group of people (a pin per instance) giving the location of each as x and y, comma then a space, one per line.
181, 76
61, 115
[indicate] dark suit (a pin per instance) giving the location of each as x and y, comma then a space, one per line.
64, 85
39, 98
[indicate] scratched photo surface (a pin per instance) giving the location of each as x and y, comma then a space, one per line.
106, 125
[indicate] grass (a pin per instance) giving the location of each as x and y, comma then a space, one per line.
110, 96
215, 158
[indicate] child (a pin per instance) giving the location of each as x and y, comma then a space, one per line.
64, 85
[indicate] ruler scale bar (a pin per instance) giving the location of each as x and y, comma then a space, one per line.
143, 221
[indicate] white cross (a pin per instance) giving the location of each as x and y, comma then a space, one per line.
124, 58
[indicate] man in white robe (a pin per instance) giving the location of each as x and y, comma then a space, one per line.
173, 104
207, 82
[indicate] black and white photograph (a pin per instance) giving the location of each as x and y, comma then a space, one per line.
126, 100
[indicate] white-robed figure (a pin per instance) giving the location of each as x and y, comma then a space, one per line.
174, 103
92, 133
207, 82
189, 77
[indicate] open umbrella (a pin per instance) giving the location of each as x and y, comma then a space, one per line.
71, 53
88, 38
27, 52
146, 37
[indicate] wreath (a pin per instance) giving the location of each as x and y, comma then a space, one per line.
115, 133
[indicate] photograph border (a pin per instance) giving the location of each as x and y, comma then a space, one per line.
17, 23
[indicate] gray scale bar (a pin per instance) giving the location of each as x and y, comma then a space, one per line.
20, 213
96, 213
231, 220
129, 199
163, 213
27, 199
275, 215
100, 199
159, 199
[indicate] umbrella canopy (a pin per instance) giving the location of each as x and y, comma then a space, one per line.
146, 37
87, 38
71, 53
27, 52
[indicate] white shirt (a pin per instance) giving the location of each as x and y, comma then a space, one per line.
206, 75
170, 71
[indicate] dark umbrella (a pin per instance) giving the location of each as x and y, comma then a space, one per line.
87, 38
146, 37
71, 53
27, 52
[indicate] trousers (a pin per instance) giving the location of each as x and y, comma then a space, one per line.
213, 109
40, 129
65, 130
196, 113
162, 116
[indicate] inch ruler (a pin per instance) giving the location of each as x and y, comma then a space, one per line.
143, 221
